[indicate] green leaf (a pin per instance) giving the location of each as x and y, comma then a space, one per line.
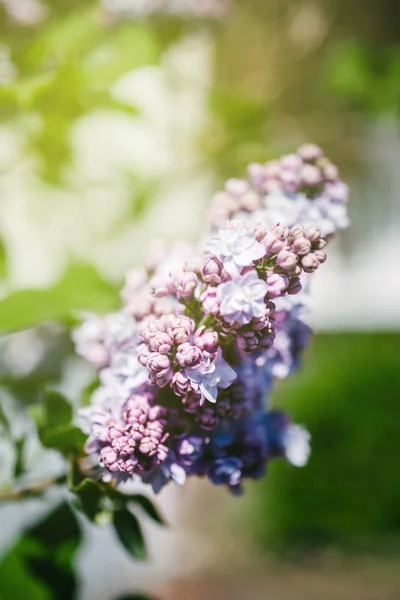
148, 507
89, 499
129, 532
19, 468
66, 439
88, 392
4, 420
81, 288
3, 260
39, 565
121, 499
16, 580
58, 411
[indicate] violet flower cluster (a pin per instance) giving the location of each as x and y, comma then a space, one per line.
187, 366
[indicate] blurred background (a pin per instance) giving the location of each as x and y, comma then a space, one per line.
115, 128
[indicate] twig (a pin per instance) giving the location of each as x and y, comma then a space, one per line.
32, 491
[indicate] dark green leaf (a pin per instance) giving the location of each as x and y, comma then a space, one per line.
3, 419
130, 534
40, 565
19, 446
89, 499
58, 411
66, 438
148, 507
88, 391
16, 580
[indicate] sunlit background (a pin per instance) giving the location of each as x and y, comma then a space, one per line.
116, 127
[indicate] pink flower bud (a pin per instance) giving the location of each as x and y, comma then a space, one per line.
212, 271
160, 368
320, 255
309, 152
250, 201
338, 191
160, 342
186, 284
260, 232
273, 244
286, 260
271, 185
294, 286
277, 285
236, 187
290, 162
296, 231
162, 287
257, 175
290, 180
206, 339
272, 169
188, 355
310, 263
181, 330
210, 301
143, 354
330, 171
181, 384
281, 231
310, 176
312, 233
302, 246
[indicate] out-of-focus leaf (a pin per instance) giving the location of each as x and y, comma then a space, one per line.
131, 46
3, 260
89, 499
66, 439
3, 419
148, 507
121, 499
81, 288
53, 417
16, 580
129, 532
88, 392
40, 564
19, 446
58, 411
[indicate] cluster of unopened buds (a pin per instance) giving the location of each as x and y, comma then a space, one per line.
186, 367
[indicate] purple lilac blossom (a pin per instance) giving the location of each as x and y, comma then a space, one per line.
187, 368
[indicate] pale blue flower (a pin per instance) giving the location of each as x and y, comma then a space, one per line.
210, 375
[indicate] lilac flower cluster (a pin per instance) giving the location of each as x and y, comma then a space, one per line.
302, 188
187, 366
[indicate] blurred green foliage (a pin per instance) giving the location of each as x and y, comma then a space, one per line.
81, 288
348, 496
63, 70
39, 566
366, 77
